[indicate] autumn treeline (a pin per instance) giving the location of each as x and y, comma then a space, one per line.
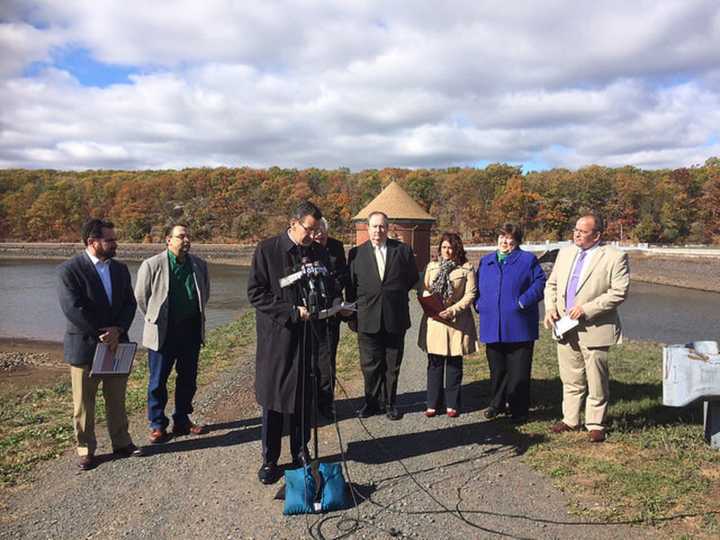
242, 205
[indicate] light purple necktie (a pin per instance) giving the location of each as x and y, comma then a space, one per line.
573, 283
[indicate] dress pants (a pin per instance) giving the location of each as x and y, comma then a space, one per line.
84, 390
452, 368
380, 358
272, 430
181, 349
510, 368
327, 347
585, 374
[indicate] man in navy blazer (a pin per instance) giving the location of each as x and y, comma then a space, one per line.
382, 272
98, 302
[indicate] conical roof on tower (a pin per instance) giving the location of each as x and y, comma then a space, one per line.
397, 204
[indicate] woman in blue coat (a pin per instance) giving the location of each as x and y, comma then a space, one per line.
510, 285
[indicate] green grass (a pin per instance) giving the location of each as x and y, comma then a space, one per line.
348, 358
37, 426
655, 466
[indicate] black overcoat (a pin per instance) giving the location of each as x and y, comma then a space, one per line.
282, 338
338, 263
383, 301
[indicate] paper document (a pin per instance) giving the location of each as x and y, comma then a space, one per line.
346, 306
107, 363
563, 325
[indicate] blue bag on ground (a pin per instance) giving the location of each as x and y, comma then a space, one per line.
300, 487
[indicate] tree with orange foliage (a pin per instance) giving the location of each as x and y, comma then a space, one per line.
516, 204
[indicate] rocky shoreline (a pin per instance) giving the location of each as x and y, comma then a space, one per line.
26, 353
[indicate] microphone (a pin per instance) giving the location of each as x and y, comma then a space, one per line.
308, 269
322, 271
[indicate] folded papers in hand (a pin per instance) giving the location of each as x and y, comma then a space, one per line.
563, 325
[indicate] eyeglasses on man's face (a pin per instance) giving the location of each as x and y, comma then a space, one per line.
308, 230
104, 240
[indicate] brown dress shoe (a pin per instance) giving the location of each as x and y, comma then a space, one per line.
86, 462
158, 436
190, 429
561, 427
597, 435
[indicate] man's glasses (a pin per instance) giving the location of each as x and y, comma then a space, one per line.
308, 230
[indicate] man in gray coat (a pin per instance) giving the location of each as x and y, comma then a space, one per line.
172, 290
96, 298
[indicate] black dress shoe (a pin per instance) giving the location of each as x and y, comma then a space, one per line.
491, 412
393, 414
367, 410
129, 451
268, 474
86, 462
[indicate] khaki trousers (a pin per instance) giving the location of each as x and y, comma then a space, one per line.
84, 390
585, 374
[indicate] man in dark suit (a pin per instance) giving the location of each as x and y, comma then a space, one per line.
98, 302
329, 342
382, 271
285, 342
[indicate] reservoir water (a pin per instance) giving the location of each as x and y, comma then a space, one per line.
29, 307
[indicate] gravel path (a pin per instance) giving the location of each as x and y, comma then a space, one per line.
468, 479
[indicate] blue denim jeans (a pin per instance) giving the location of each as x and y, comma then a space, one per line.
181, 349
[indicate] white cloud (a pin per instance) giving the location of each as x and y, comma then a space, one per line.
362, 84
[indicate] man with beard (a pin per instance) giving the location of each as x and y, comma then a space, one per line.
285, 339
172, 290
97, 299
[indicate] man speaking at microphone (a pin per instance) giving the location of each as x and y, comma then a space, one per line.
283, 341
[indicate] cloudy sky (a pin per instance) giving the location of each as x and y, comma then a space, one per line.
134, 84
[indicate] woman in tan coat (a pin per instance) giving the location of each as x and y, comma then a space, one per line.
452, 334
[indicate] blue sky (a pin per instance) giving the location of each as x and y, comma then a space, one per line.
358, 84
79, 63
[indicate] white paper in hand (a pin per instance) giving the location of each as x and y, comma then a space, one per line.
563, 325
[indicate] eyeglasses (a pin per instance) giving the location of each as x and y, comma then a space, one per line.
104, 240
584, 233
308, 230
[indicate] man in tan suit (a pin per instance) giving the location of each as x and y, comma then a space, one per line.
588, 283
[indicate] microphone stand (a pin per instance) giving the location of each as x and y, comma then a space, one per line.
315, 297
